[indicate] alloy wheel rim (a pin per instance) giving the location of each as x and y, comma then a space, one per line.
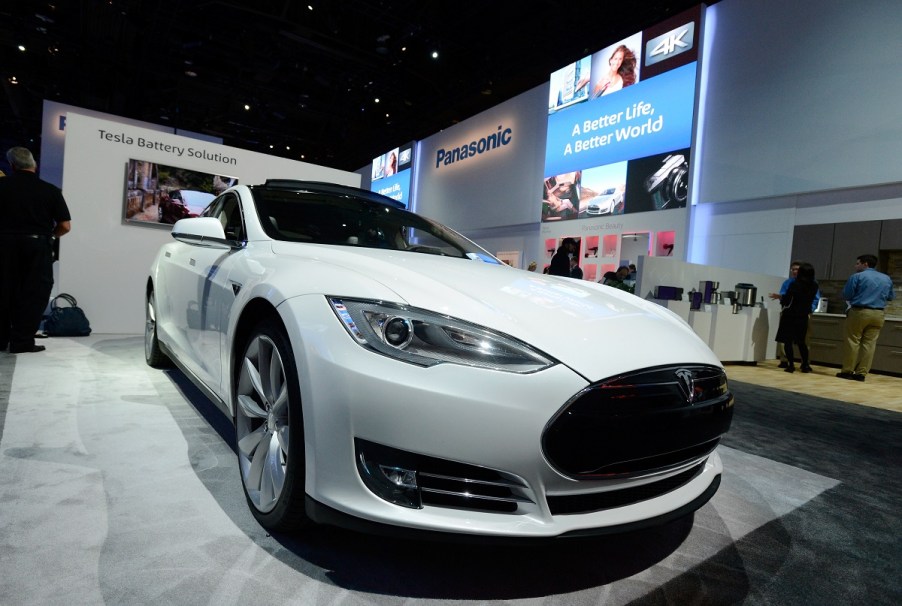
150, 327
262, 423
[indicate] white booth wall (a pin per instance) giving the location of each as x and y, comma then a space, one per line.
801, 125
773, 150
104, 261
495, 198
53, 135
782, 140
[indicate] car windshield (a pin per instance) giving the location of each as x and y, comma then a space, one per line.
345, 220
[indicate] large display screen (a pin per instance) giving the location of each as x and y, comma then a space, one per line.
620, 125
391, 173
160, 195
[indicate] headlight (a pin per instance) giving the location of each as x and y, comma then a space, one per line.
425, 338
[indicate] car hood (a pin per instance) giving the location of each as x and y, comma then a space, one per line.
597, 330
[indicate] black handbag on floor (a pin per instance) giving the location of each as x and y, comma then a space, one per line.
66, 320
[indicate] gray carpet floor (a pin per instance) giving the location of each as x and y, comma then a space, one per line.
118, 485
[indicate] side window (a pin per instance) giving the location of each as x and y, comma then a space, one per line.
213, 208
231, 218
227, 209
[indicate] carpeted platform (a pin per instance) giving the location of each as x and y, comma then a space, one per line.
118, 485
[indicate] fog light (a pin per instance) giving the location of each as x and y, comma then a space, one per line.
389, 473
403, 478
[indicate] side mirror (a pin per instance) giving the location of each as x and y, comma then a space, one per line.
202, 231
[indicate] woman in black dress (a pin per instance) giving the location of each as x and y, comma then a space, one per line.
794, 318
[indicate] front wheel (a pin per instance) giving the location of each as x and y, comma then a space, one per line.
269, 430
153, 355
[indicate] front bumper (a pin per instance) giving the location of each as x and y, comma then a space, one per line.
471, 418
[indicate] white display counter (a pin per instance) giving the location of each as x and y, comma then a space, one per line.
745, 336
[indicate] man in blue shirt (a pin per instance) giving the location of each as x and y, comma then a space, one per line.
866, 293
793, 272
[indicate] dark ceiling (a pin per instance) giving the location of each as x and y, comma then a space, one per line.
309, 77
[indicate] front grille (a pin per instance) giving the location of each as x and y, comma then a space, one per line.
586, 503
641, 423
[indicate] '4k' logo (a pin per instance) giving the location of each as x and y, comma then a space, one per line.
674, 42
669, 44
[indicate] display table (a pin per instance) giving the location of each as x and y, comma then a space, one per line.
745, 336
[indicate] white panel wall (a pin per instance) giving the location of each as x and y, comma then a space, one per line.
53, 135
802, 127
103, 261
803, 95
756, 235
501, 187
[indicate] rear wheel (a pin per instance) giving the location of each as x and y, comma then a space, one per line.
269, 430
153, 355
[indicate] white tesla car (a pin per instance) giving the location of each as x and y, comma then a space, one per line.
608, 202
386, 374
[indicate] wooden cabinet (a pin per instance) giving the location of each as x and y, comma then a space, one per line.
814, 244
833, 247
849, 241
826, 343
888, 356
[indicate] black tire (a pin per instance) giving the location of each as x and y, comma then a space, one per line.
269, 429
153, 355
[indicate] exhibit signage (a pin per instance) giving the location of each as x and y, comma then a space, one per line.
392, 172
620, 125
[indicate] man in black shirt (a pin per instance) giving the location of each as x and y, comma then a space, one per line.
32, 213
560, 262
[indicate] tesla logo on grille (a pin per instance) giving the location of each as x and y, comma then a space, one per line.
686, 384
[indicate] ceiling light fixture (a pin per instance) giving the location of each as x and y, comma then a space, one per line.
22, 47
13, 80
435, 54
247, 107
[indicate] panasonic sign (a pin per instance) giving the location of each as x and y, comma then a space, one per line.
501, 137
676, 41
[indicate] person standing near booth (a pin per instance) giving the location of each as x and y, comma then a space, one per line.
33, 213
793, 272
560, 262
866, 293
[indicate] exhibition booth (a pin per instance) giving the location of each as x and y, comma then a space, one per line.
741, 131
648, 174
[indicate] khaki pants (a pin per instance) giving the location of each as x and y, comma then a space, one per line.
861, 329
